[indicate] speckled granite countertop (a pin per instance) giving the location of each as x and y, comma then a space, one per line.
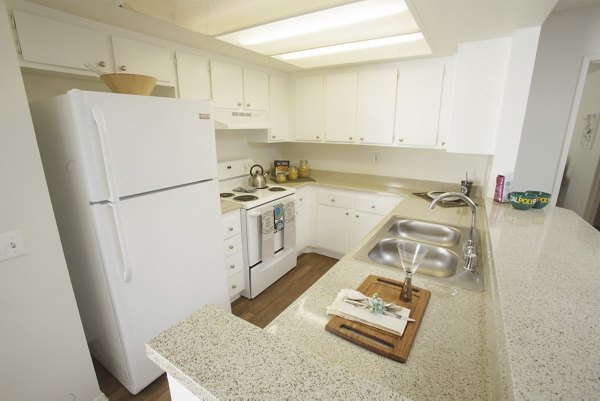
531, 335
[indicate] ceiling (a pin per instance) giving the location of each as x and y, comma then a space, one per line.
444, 23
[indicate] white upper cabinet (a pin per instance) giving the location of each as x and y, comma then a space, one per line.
418, 101
55, 43
193, 76
256, 90
234, 87
376, 106
135, 57
309, 108
279, 108
340, 107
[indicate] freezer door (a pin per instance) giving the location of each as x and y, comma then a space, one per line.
173, 245
139, 144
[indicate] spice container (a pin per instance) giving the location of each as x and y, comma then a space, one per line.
280, 178
293, 173
303, 169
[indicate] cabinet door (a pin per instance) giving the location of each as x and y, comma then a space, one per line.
227, 85
256, 90
279, 108
193, 76
136, 57
376, 106
309, 108
47, 41
363, 223
418, 105
334, 228
340, 107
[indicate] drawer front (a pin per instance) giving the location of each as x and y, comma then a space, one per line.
233, 245
231, 225
235, 284
376, 205
335, 199
233, 264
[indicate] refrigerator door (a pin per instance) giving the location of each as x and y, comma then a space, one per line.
172, 243
137, 144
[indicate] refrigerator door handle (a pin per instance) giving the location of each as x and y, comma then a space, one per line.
116, 212
103, 136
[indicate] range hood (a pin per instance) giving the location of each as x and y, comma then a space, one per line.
239, 119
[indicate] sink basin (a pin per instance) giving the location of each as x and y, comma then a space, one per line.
439, 261
422, 231
444, 261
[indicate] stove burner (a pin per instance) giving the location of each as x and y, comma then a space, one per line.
276, 189
225, 194
245, 198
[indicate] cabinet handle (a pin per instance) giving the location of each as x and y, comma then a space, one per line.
234, 286
230, 246
232, 266
230, 228
123, 68
102, 64
401, 140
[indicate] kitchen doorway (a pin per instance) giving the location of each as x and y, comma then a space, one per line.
580, 182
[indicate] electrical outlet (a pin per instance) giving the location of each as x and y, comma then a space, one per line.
11, 245
375, 156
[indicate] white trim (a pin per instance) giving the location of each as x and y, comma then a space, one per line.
571, 125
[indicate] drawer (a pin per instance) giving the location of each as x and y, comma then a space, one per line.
234, 263
233, 245
375, 204
335, 199
231, 225
235, 284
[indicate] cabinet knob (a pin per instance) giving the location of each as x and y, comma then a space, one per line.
273, 136
332, 200
230, 228
102, 64
239, 104
232, 266
350, 138
347, 214
230, 246
234, 286
318, 137
372, 206
123, 68
357, 216
400, 139
247, 104
301, 199
443, 143
362, 139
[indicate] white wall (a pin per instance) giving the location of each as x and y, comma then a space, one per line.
581, 164
566, 37
235, 144
422, 164
43, 351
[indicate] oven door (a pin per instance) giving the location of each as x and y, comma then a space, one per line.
254, 231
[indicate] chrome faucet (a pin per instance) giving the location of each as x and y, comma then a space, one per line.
469, 253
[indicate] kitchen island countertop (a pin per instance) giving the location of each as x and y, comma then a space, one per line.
530, 335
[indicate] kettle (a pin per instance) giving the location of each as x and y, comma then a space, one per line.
258, 180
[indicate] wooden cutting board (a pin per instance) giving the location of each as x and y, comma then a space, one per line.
387, 344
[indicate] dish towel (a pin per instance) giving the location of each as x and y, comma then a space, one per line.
363, 315
289, 216
268, 242
278, 214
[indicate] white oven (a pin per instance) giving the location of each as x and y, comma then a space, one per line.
263, 273
270, 255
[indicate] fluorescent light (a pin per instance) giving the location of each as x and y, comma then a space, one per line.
347, 47
324, 20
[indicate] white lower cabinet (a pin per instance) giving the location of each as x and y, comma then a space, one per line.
305, 219
232, 247
345, 217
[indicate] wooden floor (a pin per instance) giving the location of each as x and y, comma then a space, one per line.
259, 311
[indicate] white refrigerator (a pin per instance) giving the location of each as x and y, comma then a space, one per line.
133, 182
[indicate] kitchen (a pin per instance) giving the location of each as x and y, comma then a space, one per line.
43, 246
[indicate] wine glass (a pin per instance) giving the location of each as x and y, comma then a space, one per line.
411, 256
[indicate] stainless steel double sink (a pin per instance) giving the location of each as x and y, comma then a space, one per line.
444, 261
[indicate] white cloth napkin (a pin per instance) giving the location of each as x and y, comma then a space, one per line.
363, 315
